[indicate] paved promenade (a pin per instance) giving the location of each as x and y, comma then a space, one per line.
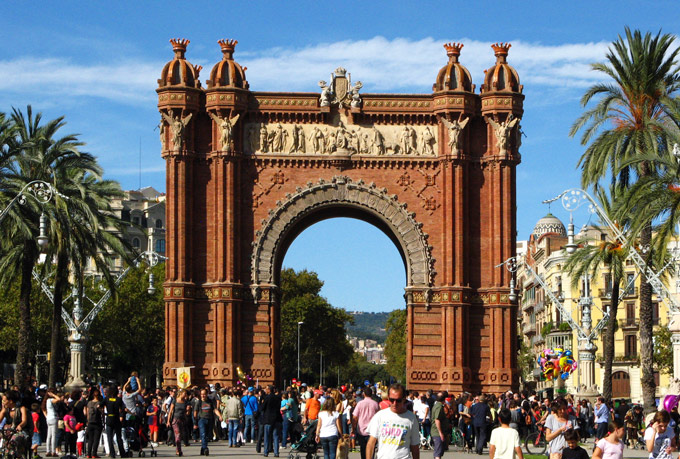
221, 449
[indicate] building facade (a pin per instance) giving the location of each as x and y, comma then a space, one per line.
144, 209
543, 326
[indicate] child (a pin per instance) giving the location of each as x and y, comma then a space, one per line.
134, 382
70, 432
35, 440
504, 443
573, 450
81, 439
611, 446
152, 413
659, 439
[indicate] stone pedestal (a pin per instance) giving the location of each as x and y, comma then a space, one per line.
77, 369
586, 361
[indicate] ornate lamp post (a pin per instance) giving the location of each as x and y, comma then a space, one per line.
79, 327
298, 350
40, 191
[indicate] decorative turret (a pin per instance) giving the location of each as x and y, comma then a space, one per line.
501, 77
453, 76
179, 72
227, 72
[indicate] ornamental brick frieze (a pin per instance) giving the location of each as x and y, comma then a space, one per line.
424, 185
343, 191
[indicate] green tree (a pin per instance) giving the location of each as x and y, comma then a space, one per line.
591, 258
129, 332
322, 331
395, 346
626, 123
358, 370
525, 359
663, 350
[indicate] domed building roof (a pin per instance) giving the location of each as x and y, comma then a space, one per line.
179, 72
453, 76
549, 224
228, 72
501, 77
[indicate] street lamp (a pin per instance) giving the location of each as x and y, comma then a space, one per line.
41, 192
298, 349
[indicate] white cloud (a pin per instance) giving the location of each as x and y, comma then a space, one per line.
382, 65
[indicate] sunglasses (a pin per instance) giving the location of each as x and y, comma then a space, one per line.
395, 400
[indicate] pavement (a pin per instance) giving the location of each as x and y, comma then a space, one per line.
221, 449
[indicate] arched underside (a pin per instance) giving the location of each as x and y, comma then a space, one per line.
341, 197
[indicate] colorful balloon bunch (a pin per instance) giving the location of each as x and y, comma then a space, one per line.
556, 363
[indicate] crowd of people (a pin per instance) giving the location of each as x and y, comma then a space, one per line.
377, 421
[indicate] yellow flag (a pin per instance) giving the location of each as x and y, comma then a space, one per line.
183, 377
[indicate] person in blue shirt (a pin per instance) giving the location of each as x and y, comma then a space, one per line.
601, 419
250, 409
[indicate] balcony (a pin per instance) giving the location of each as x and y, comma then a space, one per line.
540, 307
604, 293
631, 293
629, 322
537, 340
528, 305
529, 328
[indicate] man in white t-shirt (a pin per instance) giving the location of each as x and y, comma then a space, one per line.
394, 429
504, 443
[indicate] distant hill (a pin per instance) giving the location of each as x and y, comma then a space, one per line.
369, 325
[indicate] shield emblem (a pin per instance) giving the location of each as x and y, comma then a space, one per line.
340, 88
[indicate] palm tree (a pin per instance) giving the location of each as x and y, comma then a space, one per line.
81, 219
627, 122
35, 153
591, 258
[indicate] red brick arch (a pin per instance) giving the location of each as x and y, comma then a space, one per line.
247, 171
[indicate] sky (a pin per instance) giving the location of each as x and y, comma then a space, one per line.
96, 64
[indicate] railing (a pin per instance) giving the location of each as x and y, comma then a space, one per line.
540, 307
630, 293
529, 328
629, 322
604, 293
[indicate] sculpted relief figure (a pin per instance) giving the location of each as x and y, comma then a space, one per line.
330, 141
252, 138
226, 126
298, 138
502, 131
264, 139
325, 99
177, 127
317, 141
354, 93
342, 139
455, 129
377, 143
427, 143
162, 130
407, 140
278, 137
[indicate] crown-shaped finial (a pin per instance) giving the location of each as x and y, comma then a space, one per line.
453, 51
340, 72
179, 46
227, 47
197, 69
500, 50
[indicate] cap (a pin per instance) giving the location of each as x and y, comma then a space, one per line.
250, 389
318, 392
304, 384
43, 386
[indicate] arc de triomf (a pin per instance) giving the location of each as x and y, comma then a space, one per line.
247, 171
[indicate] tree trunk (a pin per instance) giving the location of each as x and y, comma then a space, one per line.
24, 352
646, 330
609, 339
60, 283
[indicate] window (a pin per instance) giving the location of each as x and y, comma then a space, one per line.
630, 312
135, 220
608, 284
135, 243
655, 313
630, 284
159, 223
631, 345
160, 246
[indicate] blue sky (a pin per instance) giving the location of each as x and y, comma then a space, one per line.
97, 63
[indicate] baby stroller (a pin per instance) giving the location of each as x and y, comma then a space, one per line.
137, 441
305, 447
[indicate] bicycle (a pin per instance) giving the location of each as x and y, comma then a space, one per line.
425, 442
457, 438
535, 442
